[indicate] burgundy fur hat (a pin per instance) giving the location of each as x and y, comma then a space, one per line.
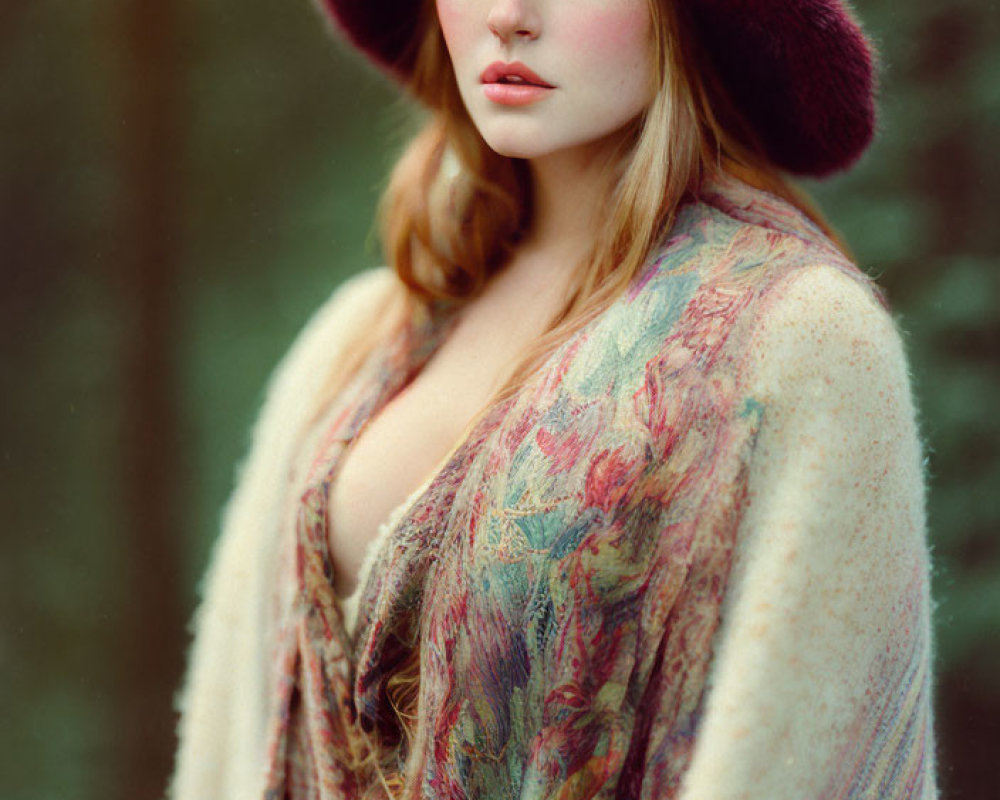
801, 72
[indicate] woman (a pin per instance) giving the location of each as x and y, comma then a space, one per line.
610, 485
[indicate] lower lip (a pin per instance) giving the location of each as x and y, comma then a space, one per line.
514, 94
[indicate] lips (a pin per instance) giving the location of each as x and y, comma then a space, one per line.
513, 85
516, 74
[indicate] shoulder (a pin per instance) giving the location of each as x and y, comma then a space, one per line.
779, 323
355, 301
738, 256
822, 330
788, 303
351, 307
358, 293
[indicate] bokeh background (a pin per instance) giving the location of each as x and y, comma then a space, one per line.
182, 183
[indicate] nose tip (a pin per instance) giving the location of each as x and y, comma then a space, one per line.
510, 20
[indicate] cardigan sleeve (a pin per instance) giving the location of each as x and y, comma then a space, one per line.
224, 700
820, 684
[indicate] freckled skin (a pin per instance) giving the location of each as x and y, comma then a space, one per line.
596, 53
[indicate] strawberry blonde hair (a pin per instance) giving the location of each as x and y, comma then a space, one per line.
454, 209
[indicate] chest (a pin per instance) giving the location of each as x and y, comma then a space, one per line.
391, 457
402, 447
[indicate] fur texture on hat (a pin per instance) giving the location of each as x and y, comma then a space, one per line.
801, 72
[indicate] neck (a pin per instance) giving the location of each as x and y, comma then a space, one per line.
570, 191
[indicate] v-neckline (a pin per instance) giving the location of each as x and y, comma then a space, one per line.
421, 340
406, 352
398, 514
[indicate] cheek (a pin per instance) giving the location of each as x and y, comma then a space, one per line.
619, 35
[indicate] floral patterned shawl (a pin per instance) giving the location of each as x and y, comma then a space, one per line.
565, 572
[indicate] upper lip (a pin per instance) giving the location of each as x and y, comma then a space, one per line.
498, 71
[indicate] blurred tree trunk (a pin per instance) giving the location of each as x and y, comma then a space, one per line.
152, 628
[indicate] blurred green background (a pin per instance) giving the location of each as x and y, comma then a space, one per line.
182, 183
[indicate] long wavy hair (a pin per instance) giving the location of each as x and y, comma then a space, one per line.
454, 209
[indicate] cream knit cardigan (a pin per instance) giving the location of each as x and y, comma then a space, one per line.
832, 540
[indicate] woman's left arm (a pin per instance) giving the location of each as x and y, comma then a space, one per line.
821, 681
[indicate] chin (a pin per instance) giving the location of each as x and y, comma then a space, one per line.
513, 137
515, 146
514, 150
